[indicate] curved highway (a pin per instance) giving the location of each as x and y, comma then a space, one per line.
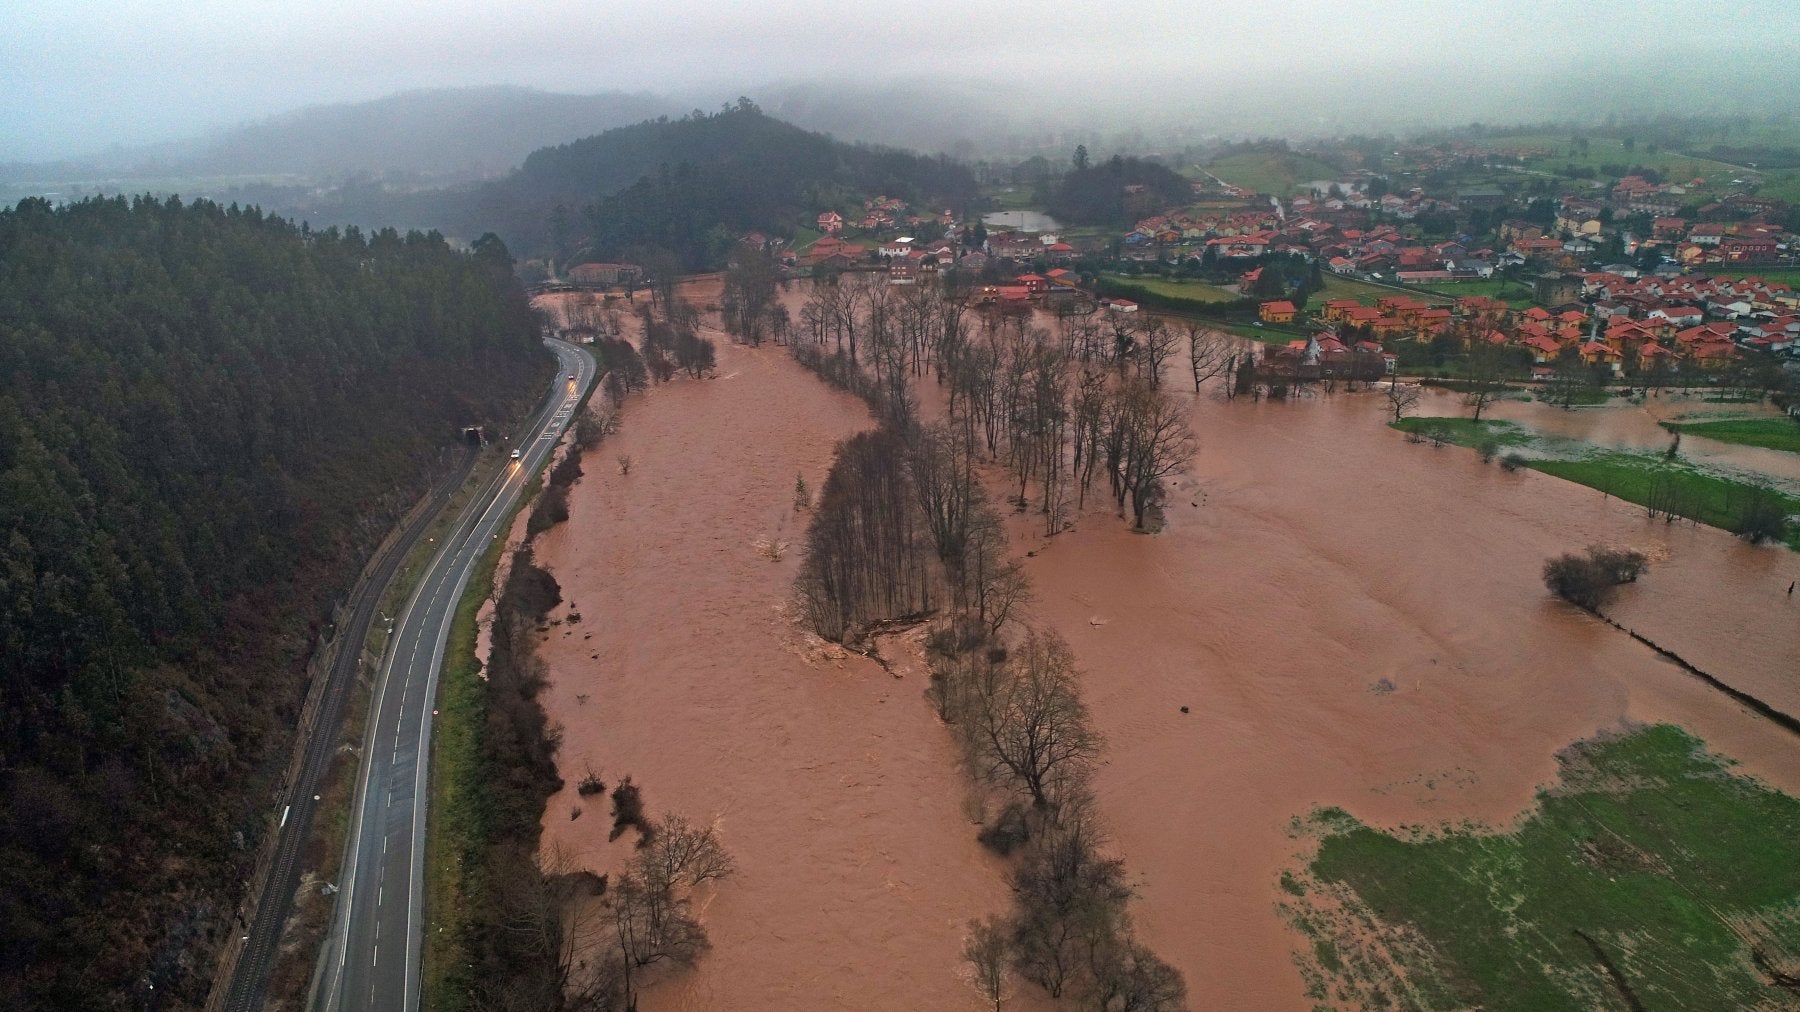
371, 957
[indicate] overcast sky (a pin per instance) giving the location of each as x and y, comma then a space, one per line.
80, 75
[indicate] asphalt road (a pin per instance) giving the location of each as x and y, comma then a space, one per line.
250, 974
371, 958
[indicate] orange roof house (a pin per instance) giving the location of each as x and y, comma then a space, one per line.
1600, 353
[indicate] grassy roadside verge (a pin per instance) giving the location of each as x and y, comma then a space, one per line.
1650, 876
456, 827
310, 920
1768, 433
1641, 478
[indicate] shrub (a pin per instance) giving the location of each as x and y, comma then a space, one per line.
628, 811
1009, 832
960, 635
1512, 462
1486, 449
1762, 517
1588, 581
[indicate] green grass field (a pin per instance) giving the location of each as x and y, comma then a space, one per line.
1467, 432
804, 236
1011, 198
1192, 291
1783, 184
1709, 498
1651, 876
1269, 172
1768, 433
1677, 167
1789, 276
1512, 291
1634, 477
1339, 287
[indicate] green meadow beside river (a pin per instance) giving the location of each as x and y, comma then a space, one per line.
1768, 433
1644, 478
1651, 876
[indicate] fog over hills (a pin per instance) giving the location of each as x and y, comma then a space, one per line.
442, 132
448, 135
438, 135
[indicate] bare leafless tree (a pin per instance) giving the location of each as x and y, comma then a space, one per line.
867, 548
1030, 726
1209, 353
1158, 346
1126, 976
988, 953
1070, 899
748, 295
683, 855
948, 493
1485, 379
1153, 442
1401, 399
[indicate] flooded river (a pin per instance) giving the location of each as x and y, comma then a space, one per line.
1358, 621
1351, 620
831, 781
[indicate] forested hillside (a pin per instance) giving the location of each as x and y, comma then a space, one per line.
684, 188
1098, 194
689, 187
208, 418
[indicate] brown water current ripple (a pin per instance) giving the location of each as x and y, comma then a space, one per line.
831, 782
1352, 621
1326, 560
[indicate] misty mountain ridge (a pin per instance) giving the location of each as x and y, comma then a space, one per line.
684, 186
440, 136
445, 135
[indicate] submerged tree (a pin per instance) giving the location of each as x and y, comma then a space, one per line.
1589, 581
1028, 724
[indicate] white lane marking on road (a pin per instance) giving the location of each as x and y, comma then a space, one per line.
431, 577
415, 902
432, 574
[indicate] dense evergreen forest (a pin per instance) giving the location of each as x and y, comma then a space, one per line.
208, 419
712, 178
683, 188
1098, 194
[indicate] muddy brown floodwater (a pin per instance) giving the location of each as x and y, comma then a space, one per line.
1314, 559
830, 780
1352, 621
1634, 427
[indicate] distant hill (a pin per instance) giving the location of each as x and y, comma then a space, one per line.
684, 187
702, 181
463, 132
1117, 192
437, 136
